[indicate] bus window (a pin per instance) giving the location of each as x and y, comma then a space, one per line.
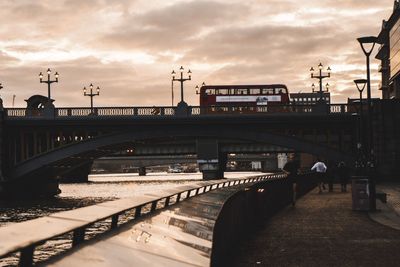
210, 92
223, 91
255, 91
281, 91
268, 91
242, 92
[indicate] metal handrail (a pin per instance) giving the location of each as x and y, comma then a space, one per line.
27, 247
166, 111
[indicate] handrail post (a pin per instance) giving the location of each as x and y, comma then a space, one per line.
78, 236
153, 206
166, 202
114, 221
26, 256
138, 212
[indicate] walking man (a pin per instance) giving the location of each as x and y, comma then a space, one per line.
320, 169
291, 168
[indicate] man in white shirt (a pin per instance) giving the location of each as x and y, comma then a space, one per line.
320, 169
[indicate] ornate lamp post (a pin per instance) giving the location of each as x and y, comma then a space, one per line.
197, 88
49, 82
321, 76
367, 45
326, 86
181, 80
91, 95
360, 83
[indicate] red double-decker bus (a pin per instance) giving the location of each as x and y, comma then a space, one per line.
243, 98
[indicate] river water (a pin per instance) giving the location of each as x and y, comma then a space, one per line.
100, 188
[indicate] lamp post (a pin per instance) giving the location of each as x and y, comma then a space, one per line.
1, 100
367, 45
181, 80
49, 82
326, 86
320, 77
91, 95
360, 83
197, 88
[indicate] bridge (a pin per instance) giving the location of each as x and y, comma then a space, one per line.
39, 147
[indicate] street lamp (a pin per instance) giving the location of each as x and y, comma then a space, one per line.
91, 95
197, 88
1, 100
326, 86
181, 80
48, 82
367, 45
360, 83
321, 76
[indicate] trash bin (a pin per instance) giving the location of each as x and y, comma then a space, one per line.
360, 193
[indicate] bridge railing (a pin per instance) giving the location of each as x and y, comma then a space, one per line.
20, 237
77, 112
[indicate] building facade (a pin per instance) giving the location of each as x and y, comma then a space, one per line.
389, 55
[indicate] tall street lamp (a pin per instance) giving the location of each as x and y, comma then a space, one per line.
181, 80
367, 45
360, 83
321, 76
91, 95
48, 82
1, 100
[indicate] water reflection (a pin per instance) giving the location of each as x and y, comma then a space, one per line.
100, 188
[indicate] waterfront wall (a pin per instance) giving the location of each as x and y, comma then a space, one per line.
248, 209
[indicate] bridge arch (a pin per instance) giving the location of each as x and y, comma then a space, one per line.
93, 145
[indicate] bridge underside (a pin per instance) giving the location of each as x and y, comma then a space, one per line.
44, 156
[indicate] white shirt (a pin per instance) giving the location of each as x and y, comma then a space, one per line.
319, 167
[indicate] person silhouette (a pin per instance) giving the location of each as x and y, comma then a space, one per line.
291, 168
320, 169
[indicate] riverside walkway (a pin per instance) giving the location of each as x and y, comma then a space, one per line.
322, 230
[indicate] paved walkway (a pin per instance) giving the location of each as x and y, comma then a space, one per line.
322, 230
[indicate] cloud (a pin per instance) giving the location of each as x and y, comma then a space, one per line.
129, 48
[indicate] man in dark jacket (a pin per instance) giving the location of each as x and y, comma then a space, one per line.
291, 168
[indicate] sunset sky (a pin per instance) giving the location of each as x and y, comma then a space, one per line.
129, 48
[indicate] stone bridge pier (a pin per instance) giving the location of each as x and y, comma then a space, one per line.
78, 175
34, 188
211, 161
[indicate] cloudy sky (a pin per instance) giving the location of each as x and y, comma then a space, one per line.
129, 47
